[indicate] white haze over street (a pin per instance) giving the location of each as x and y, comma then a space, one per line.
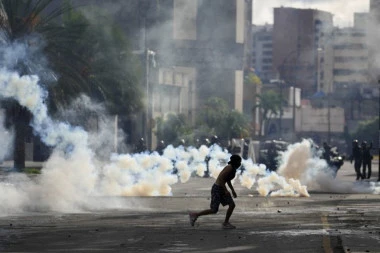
342, 10
76, 178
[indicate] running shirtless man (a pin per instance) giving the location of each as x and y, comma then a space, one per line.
220, 194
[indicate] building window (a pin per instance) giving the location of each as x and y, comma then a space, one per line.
267, 60
264, 38
350, 46
358, 34
267, 68
350, 58
167, 76
267, 45
344, 72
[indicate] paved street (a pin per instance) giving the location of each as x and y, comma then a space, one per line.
324, 222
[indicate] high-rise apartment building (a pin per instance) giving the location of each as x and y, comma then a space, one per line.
373, 40
350, 58
262, 52
300, 43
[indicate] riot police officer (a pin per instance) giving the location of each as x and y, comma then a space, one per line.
160, 147
367, 157
326, 152
357, 157
140, 146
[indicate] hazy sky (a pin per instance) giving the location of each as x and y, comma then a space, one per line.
342, 10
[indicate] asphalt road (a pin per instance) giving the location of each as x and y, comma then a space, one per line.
324, 222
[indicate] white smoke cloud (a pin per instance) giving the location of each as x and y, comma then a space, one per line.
343, 10
7, 138
74, 178
301, 162
300, 169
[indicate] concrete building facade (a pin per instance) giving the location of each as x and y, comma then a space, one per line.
355, 69
198, 50
262, 52
373, 41
299, 35
350, 58
202, 53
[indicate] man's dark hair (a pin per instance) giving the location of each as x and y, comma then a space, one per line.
235, 159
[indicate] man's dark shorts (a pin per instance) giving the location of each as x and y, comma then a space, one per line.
218, 196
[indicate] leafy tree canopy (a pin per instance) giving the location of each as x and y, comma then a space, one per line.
224, 122
112, 72
367, 131
173, 128
252, 79
215, 118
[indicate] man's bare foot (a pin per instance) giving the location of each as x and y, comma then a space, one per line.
227, 225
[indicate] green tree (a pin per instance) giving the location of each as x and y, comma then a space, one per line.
222, 121
367, 131
215, 118
269, 105
173, 128
82, 58
252, 79
25, 23
112, 74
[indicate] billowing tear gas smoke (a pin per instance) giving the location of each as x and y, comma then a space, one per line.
73, 178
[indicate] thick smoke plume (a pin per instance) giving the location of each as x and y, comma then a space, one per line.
75, 178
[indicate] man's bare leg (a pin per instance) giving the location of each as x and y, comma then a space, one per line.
226, 224
229, 213
194, 216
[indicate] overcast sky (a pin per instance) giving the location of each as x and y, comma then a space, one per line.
342, 10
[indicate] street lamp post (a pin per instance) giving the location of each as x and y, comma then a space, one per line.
378, 162
147, 71
328, 119
319, 52
281, 107
148, 117
294, 112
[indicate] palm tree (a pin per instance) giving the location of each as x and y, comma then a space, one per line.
77, 60
23, 23
269, 104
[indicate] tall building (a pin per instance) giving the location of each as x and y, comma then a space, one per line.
350, 58
373, 40
361, 20
209, 37
202, 50
355, 69
262, 52
350, 67
198, 47
300, 42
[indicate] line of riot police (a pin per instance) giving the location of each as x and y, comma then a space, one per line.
362, 158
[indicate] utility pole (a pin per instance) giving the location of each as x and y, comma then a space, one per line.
281, 108
378, 162
328, 119
295, 79
147, 112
